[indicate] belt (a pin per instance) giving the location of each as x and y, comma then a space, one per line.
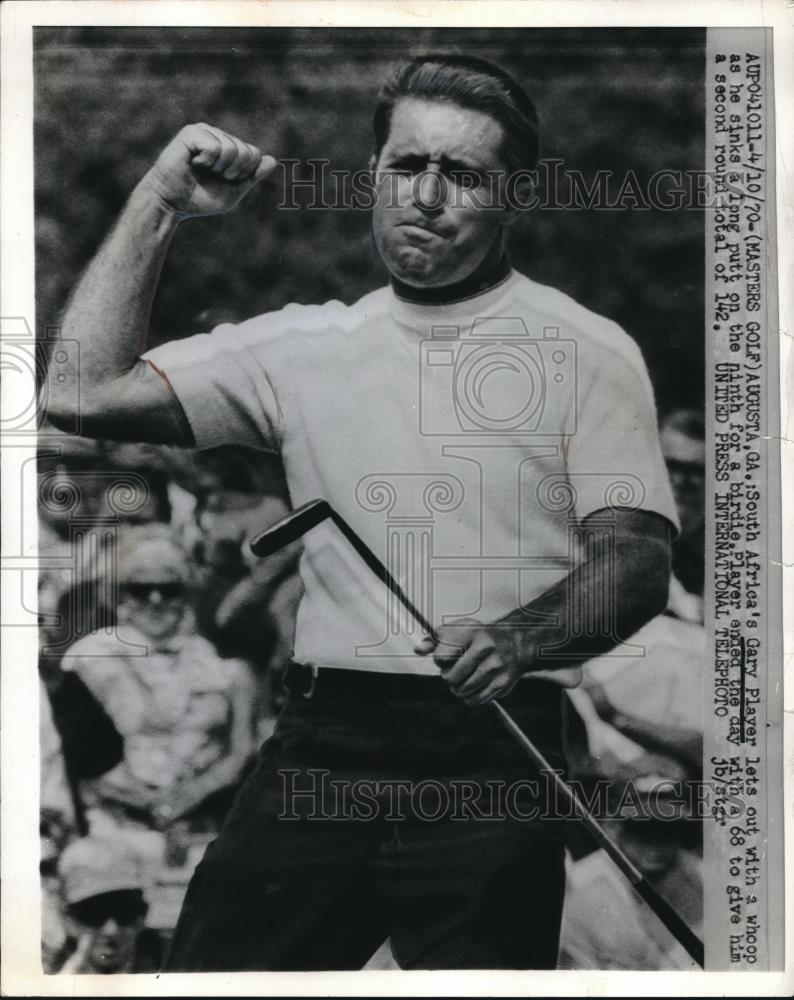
333, 682
367, 685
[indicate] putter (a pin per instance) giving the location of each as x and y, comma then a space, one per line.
296, 524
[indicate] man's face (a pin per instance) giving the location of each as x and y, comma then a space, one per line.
154, 607
109, 924
685, 456
431, 226
688, 480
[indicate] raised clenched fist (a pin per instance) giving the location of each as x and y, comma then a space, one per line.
206, 171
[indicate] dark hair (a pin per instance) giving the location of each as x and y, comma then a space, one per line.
470, 82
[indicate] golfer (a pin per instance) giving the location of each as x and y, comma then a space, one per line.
389, 801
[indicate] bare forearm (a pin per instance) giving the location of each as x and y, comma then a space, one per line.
109, 312
104, 387
603, 601
111, 306
619, 583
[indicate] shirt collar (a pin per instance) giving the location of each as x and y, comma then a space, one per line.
421, 317
460, 291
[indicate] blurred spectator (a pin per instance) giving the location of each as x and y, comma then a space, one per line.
57, 822
87, 737
81, 479
184, 712
86, 490
55, 795
606, 924
71, 541
76, 740
140, 476
118, 603
682, 436
213, 502
70, 482
637, 710
247, 606
239, 492
103, 887
55, 831
650, 699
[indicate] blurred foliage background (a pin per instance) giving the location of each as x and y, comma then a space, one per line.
107, 100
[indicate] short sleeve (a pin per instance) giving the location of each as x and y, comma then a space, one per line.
239, 383
614, 458
227, 394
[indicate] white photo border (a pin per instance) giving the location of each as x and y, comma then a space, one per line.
21, 973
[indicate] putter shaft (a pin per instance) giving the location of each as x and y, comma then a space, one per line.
293, 526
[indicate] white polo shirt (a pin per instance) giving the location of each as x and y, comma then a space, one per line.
462, 441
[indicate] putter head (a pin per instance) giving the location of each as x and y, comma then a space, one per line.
290, 528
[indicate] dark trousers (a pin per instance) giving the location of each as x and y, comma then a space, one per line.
399, 813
